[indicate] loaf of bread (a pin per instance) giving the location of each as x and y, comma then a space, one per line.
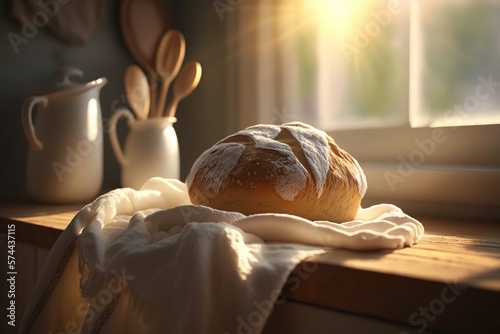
293, 168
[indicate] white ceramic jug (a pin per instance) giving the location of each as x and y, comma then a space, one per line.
65, 156
151, 149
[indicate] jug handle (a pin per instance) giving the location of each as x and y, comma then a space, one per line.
115, 143
27, 119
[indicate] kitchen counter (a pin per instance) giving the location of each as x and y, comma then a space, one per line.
450, 282
37, 224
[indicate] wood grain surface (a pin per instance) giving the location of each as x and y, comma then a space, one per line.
449, 282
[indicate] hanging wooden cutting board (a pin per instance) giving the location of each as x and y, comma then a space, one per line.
143, 23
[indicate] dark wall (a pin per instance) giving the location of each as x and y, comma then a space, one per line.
201, 117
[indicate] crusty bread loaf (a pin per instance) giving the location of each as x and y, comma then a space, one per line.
293, 168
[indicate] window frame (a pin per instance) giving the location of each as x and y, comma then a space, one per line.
458, 177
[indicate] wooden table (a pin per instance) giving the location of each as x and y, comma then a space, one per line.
37, 224
450, 282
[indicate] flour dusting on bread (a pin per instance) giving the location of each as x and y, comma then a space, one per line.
216, 163
315, 147
360, 178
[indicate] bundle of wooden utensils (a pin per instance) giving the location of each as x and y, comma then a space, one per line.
147, 94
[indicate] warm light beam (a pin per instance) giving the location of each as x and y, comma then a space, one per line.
339, 17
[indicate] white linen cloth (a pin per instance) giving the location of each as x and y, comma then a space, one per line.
148, 261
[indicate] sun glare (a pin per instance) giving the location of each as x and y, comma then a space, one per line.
339, 17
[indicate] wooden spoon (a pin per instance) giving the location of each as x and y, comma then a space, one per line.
187, 80
137, 89
169, 58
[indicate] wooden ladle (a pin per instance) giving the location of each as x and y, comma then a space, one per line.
169, 58
187, 80
143, 23
138, 91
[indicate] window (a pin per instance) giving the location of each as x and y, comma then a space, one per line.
410, 88
455, 70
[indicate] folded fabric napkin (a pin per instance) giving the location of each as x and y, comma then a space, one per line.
148, 261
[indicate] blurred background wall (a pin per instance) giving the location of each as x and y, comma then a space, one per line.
201, 116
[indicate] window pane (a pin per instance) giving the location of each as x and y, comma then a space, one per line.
353, 62
456, 67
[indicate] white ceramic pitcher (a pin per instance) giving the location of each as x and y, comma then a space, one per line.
65, 156
151, 149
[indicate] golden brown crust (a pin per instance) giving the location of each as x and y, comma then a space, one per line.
261, 181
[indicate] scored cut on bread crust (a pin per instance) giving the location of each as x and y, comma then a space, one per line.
293, 168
